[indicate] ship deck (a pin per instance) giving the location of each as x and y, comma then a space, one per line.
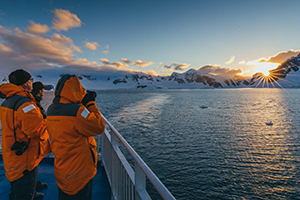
101, 188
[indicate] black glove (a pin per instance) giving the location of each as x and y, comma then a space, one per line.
90, 96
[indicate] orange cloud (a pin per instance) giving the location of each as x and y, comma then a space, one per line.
91, 45
151, 72
37, 28
64, 20
55, 49
104, 60
231, 60
181, 66
217, 70
281, 56
106, 52
62, 39
65, 40
142, 64
83, 61
126, 60
4, 48
119, 64
167, 66
32, 51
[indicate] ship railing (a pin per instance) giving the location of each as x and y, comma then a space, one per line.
127, 182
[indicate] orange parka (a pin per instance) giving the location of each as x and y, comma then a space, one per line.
20, 113
72, 126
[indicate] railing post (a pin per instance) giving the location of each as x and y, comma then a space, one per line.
113, 138
140, 182
113, 163
137, 177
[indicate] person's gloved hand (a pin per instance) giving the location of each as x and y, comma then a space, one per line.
90, 96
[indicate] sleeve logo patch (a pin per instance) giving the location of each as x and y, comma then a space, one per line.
85, 113
28, 108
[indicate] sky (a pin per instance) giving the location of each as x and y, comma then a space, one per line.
156, 37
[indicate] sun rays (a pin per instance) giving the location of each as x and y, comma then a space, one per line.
271, 79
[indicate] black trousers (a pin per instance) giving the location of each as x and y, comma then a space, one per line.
24, 188
84, 194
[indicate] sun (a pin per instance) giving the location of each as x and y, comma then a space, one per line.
266, 74
265, 67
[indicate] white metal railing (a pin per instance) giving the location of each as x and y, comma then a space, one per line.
126, 182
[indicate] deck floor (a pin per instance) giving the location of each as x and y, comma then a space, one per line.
101, 188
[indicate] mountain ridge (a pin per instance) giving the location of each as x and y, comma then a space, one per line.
285, 75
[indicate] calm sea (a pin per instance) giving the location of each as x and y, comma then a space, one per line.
223, 152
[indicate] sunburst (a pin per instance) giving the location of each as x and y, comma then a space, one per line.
270, 80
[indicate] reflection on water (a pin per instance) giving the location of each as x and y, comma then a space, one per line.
223, 152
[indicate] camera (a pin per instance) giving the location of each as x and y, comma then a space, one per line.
90, 96
20, 147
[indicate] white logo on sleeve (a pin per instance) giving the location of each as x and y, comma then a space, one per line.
85, 113
28, 108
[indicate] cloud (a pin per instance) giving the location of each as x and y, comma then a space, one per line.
104, 60
151, 72
82, 61
37, 28
61, 39
181, 66
142, 64
50, 54
106, 47
75, 48
65, 40
119, 64
4, 48
217, 70
91, 45
64, 20
231, 60
94, 63
115, 64
106, 52
11, 60
166, 72
176, 66
167, 66
28, 50
126, 60
281, 56
4, 31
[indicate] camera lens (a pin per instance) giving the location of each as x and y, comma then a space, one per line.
19, 148
19, 152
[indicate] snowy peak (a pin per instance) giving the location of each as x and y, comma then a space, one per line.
285, 75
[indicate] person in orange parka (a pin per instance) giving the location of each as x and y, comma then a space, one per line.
24, 135
72, 121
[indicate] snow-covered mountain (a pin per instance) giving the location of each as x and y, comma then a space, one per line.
286, 75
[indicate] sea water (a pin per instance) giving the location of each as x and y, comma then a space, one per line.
225, 151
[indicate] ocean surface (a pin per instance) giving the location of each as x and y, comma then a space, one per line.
223, 152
